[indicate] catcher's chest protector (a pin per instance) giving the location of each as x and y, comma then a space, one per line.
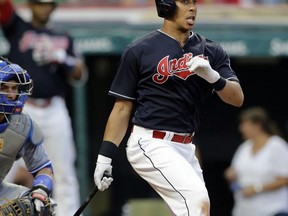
11, 141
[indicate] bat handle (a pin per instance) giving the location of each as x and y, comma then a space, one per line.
106, 174
91, 195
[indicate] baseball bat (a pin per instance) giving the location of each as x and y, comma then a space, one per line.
89, 197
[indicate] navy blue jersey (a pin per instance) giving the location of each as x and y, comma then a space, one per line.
167, 95
49, 79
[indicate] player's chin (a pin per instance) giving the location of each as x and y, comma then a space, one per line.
187, 28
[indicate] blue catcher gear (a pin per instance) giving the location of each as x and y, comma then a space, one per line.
24, 85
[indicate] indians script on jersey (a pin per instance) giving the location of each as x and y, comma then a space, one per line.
173, 67
42, 42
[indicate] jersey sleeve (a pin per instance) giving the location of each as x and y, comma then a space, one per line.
34, 153
35, 157
221, 63
72, 51
125, 82
72, 56
36, 134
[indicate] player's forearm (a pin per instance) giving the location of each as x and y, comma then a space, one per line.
46, 171
232, 94
78, 70
44, 180
118, 121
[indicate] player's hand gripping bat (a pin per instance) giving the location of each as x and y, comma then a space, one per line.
90, 196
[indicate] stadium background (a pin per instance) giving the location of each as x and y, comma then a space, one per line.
255, 35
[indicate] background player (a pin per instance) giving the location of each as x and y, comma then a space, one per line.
166, 75
20, 136
49, 56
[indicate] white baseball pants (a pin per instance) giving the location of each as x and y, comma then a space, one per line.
172, 169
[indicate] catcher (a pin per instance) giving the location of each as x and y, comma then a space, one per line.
21, 137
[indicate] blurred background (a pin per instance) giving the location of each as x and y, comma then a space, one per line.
253, 32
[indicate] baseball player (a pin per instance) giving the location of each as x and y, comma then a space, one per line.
20, 137
49, 56
165, 76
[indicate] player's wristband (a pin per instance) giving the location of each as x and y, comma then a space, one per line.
44, 182
108, 149
69, 63
219, 84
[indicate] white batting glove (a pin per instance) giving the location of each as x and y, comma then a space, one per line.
58, 56
40, 199
103, 165
203, 69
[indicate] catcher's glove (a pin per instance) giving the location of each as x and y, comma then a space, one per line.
17, 207
24, 206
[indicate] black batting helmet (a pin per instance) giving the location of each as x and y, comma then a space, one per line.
165, 8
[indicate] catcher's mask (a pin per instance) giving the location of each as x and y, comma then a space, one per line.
24, 85
165, 8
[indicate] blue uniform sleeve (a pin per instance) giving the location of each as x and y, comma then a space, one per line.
35, 157
221, 63
125, 82
34, 153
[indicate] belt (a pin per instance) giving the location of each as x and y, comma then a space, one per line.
185, 139
39, 102
174, 137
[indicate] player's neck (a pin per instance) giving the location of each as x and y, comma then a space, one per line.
181, 37
37, 24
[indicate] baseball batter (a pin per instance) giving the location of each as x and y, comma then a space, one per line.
20, 137
50, 57
163, 78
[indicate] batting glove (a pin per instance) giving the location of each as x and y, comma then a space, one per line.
58, 56
103, 165
40, 199
202, 68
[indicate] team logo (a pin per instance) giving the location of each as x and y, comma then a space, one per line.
173, 67
42, 42
1, 145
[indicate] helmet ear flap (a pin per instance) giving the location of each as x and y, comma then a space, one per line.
165, 8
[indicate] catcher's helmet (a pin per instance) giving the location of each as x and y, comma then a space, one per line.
165, 8
24, 84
